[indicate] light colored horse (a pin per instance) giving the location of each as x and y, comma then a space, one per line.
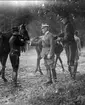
37, 42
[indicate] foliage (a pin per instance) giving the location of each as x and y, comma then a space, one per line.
47, 13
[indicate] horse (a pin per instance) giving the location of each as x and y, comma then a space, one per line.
71, 54
5, 51
37, 42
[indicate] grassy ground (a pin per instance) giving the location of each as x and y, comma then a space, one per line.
32, 90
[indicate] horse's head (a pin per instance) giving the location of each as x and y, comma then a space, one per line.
23, 32
22, 26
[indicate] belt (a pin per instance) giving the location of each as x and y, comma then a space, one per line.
46, 46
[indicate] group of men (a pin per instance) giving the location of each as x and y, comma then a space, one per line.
70, 35
48, 45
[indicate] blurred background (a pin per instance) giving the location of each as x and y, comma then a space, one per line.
35, 12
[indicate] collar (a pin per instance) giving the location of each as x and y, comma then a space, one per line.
46, 32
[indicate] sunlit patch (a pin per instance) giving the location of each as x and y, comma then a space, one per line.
27, 3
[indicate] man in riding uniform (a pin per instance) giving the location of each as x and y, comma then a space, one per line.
15, 42
77, 39
68, 34
48, 52
68, 29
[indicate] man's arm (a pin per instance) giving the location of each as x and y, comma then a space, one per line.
35, 42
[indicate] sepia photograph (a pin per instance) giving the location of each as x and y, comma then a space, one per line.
42, 50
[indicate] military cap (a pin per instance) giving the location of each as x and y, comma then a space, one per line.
44, 25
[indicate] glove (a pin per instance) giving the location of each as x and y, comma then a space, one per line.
22, 40
48, 56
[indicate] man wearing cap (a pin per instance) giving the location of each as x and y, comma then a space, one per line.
68, 29
14, 41
15, 44
68, 35
48, 52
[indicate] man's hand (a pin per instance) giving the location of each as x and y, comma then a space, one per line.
22, 40
28, 42
48, 56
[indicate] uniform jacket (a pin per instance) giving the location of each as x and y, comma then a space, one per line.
47, 45
69, 32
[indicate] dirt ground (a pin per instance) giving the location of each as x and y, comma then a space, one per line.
32, 90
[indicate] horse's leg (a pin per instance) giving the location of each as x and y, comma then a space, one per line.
61, 63
3, 62
56, 60
38, 65
38, 50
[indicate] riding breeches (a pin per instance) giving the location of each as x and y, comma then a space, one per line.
50, 66
49, 63
14, 61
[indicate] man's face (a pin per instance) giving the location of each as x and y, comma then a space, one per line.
44, 29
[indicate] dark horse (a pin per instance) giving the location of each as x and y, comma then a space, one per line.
5, 50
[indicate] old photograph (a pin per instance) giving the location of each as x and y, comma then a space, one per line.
42, 52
